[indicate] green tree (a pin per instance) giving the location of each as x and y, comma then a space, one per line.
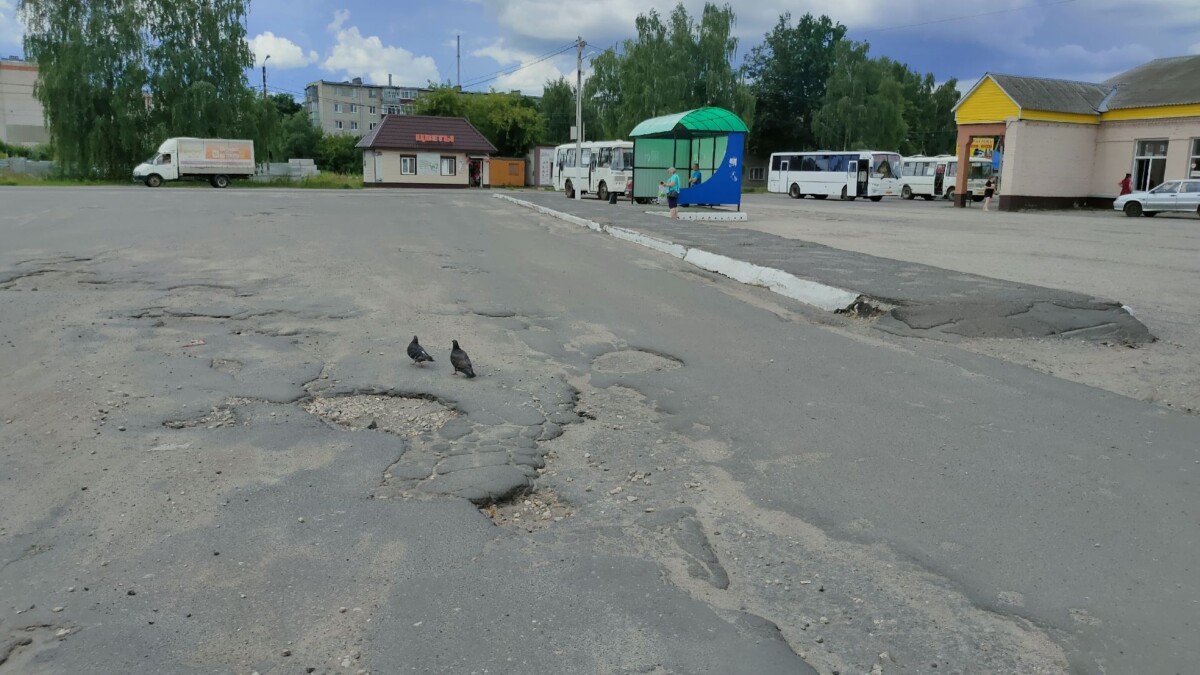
92, 73
336, 153
198, 58
669, 67
863, 105
510, 121
787, 74
286, 104
928, 112
296, 138
558, 110
442, 100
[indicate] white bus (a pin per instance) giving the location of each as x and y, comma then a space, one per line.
847, 175
927, 177
606, 167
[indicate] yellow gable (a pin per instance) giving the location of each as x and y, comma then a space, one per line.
986, 103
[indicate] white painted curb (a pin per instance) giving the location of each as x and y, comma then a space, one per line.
822, 296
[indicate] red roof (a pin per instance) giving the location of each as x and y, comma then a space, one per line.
417, 132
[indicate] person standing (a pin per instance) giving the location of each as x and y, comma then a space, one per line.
696, 177
672, 186
989, 189
1127, 184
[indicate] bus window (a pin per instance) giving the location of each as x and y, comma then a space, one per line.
627, 158
571, 157
585, 157
882, 166
775, 160
605, 158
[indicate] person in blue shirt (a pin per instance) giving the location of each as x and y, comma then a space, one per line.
672, 186
696, 178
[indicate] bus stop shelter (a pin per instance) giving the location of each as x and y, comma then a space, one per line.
714, 138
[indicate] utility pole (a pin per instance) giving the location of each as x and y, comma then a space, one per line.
265, 76
458, 62
579, 45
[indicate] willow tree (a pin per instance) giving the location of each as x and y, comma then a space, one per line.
671, 66
91, 58
863, 106
118, 76
197, 57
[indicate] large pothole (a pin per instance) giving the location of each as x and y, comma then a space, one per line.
530, 511
635, 361
400, 415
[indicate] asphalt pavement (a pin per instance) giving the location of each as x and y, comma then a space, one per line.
217, 457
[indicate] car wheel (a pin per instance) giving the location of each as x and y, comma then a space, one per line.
220, 181
1133, 209
153, 180
906, 192
794, 192
602, 192
569, 190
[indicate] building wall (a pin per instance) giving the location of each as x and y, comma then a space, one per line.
428, 169
986, 103
21, 118
1117, 141
368, 101
508, 172
1048, 159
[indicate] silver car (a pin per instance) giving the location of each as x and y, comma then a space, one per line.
1173, 195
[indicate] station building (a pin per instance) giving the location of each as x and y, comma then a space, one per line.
1064, 143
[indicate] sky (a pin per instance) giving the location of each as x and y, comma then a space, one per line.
519, 44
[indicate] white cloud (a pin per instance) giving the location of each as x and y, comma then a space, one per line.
353, 55
532, 70
11, 30
283, 52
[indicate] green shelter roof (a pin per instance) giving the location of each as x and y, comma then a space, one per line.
706, 121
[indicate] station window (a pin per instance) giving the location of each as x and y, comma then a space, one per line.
1194, 162
449, 166
408, 165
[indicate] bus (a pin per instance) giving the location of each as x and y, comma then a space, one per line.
927, 177
847, 175
606, 167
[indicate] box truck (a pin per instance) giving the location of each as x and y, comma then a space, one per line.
215, 160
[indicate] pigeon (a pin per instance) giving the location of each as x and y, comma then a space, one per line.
417, 353
460, 360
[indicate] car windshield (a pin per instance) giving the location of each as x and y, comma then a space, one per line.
1172, 186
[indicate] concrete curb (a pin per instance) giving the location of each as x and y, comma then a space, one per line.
822, 296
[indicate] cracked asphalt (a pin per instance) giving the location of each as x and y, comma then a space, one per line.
217, 458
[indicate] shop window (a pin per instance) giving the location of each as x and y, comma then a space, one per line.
449, 166
408, 165
1194, 161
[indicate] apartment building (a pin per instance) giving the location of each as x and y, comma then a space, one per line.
353, 107
21, 118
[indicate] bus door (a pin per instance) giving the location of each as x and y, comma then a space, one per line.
852, 178
864, 174
587, 164
939, 178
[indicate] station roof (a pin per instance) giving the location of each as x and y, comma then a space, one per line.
707, 121
1037, 93
1169, 81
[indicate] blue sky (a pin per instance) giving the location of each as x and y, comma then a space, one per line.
503, 40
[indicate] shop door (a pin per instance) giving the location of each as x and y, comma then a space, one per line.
1149, 165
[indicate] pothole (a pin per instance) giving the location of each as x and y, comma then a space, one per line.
635, 361
530, 511
219, 416
401, 415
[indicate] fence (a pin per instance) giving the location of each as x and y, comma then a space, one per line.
26, 166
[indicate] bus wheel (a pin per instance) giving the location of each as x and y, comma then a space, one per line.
602, 192
843, 192
569, 190
876, 198
906, 192
845, 196
950, 194
794, 192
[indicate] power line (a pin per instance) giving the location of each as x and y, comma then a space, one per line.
966, 16
519, 67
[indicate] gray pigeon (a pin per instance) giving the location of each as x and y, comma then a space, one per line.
460, 360
417, 353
